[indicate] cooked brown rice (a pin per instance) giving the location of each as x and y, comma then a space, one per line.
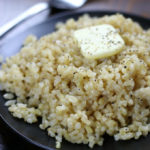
77, 98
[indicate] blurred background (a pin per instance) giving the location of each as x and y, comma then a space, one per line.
10, 9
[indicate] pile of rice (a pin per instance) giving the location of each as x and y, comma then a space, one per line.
77, 98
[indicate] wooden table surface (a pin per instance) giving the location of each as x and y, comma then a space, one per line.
9, 9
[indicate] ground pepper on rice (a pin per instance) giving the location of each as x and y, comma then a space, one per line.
80, 99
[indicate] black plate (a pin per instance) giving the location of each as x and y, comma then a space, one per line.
33, 133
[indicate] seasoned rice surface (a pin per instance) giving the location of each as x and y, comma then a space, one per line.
77, 98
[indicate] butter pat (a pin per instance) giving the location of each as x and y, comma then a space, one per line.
99, 41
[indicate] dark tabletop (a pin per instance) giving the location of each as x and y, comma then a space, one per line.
11, 8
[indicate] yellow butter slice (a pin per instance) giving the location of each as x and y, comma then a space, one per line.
99, 41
